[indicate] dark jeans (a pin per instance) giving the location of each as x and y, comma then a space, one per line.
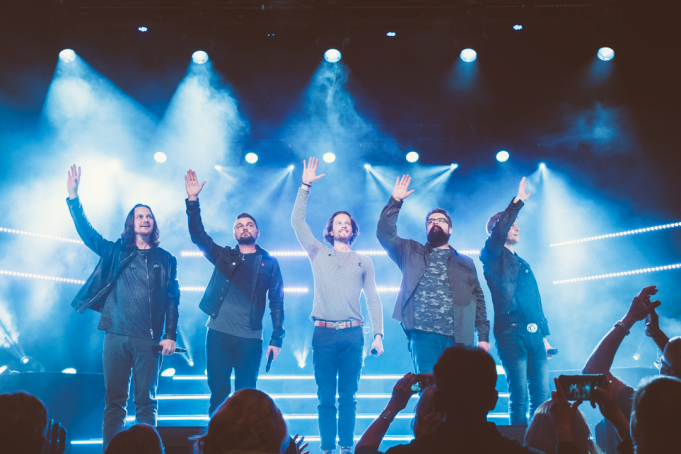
337, 353
426, 348
523, 356
120, 354
225, 352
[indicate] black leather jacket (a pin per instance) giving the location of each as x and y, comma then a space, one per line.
114, 256
226, 260
412, 258
501, 268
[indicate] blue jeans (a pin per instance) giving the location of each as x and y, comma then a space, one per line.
426, 348
119, 355
337, 352
523, 356
225, 352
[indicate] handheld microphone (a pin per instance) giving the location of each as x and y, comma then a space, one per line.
269, 361
374, 351
158, 348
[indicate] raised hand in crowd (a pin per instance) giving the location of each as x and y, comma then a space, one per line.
522, 193
401, 190
192, 185
653, 330
299, 444
641, 306
73, 182
310, 172
562, 414
606, 400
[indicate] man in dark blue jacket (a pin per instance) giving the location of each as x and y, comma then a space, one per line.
235, 299
520, 328
135, 288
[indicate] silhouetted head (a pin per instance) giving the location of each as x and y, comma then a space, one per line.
138, 439
541, 434
23, 419
341, 227
655, 416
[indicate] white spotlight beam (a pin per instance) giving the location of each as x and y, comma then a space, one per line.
40, 235
623, 273
625, 233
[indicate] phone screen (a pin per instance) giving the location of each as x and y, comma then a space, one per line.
580, 387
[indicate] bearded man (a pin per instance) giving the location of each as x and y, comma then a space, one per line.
440, 302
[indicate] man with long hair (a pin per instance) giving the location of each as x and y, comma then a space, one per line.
520, 328
340, 276
135, 287
440, 302
243, 278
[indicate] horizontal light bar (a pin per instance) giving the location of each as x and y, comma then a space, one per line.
376, 252
94, 441
291, 377
625, 233
623, 273
273, 396
40, 276
40, 235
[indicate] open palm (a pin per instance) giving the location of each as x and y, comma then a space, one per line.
192, 185
73, 181
310, 171
401, 190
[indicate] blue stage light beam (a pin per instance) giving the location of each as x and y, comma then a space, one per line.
468, 55
67, 55
200, 57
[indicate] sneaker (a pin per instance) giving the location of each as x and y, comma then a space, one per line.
330, 451
346, 449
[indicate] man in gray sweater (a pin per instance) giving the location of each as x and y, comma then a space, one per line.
340, 276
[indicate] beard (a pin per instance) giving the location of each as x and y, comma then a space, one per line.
437, 237
250, 239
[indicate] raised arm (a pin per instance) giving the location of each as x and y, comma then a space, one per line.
87, 233
373, 304
653, 331
198, 234
386, 232
303, 232
497, 239
603, 355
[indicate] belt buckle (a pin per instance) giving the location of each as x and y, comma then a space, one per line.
339, 325
532, 327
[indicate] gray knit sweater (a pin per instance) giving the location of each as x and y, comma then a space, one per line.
339, 277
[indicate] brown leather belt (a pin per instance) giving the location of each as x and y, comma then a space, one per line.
338, 325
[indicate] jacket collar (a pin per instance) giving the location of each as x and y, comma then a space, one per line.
258, 250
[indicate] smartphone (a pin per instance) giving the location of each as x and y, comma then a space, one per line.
552, 351
417, 386
580, 387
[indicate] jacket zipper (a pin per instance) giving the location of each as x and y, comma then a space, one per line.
151, 320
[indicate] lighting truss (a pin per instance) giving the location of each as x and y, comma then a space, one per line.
42, 277
40, 235
623, 273
625, 233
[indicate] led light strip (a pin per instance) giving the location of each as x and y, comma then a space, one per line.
623, 273
381, 252
612, 235
39, 276
40, 235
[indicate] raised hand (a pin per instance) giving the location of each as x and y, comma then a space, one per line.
401, 190
73, 182
192, 185
310, 171
522, 195
641, 305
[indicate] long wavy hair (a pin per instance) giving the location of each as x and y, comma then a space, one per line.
542, 436
328, 230
248, 420
128, 234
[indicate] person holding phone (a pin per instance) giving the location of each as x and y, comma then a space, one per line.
520, 328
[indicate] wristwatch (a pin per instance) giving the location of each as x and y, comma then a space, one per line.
385, 414
621, 325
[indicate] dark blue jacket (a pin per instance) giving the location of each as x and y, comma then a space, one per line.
501, 268
226, 260
114, 257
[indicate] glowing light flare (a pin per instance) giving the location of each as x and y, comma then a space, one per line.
329, 157
625, 233
199, 57
251, 158
636, 356
69, 370
160, 156
291, 167
332, 55
542, 166
143, 29
412, 156
40, 235
168, 372
367, 166
2, 369
67, 55
391, 34
40, 276
623, 273
517, 27
503, 156
468, 55
453, 166
605, 54
25, 360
